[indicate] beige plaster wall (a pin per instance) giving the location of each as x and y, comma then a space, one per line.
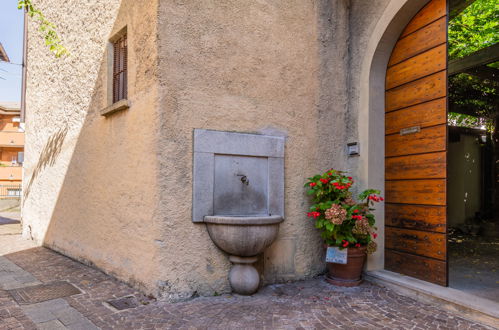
236, 66
116, 192
278, 67
90, 185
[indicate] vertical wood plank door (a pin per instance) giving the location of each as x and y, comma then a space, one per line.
416, 148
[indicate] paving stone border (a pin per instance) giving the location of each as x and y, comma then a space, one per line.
13, 277
57, 314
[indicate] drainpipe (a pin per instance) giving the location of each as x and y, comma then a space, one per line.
23, 105
24, 65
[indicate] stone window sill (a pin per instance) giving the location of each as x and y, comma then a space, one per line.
115, 107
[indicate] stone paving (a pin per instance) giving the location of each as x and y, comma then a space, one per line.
10, 230
56, 314
311, 304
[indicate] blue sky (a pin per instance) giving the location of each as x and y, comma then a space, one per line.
11, 37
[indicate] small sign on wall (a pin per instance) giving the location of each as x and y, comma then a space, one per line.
410, 130
335, 255
353, 149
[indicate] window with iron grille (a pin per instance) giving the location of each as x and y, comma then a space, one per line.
120, 69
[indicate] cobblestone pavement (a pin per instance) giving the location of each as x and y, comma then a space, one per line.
311, 304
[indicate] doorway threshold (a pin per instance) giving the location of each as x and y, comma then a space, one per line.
467, 305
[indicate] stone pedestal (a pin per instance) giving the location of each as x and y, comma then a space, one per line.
243, 238
243, 277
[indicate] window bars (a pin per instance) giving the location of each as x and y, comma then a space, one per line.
120, 69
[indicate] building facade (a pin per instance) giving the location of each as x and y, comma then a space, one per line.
11, 150
109, 182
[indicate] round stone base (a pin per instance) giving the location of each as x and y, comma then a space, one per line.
243, 277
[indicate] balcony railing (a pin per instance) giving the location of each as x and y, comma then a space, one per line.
11, 191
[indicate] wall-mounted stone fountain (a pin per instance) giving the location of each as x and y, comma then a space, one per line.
239, 194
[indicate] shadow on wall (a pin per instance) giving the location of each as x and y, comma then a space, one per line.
48, 156
107, 195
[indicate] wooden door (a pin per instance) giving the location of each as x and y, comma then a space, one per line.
416, 148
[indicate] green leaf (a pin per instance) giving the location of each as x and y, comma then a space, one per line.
46, 27
474, 28
363, 195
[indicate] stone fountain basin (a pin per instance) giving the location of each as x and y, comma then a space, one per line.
244, 236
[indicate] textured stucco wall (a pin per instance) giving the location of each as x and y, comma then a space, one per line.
117, 191
364, 16
279, 67
236, 66
90, 188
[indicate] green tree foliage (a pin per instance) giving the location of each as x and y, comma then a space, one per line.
471, 94
475, 28
47, 28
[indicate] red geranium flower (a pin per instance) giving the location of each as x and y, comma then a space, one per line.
333, 204
313, 214
375, 198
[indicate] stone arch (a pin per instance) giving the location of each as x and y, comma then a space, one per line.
371, 115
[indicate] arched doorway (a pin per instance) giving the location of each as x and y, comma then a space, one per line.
371, 114
416, 148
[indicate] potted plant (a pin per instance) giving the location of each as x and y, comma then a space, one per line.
347, 225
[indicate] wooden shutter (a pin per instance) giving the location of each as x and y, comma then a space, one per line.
120, 64
416, 148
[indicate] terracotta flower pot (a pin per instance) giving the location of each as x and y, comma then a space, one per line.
349, 274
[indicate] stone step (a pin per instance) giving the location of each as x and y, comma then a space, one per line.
469, 306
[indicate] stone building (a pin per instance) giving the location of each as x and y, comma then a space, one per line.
111, 183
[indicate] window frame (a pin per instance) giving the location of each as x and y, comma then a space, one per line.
120, 68
115, 102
